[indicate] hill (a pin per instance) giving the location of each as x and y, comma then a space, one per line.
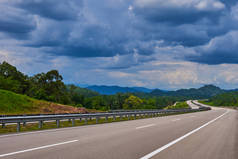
206, 91
225, 99
12, 103
82, 91
109, 90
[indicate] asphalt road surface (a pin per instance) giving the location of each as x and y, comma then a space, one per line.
202, 135
193, 106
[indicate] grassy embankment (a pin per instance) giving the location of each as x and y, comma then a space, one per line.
179, 105
14, 104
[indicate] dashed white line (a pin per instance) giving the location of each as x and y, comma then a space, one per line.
145, 126
37, 148
180, 138
176, 119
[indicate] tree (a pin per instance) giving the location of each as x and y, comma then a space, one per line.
14, 80
132, 102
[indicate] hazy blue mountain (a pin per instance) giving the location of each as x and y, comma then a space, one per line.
142, 89
203, 92
108, 90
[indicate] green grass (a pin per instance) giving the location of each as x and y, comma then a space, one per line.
210, 103
17, 104
52, 125
12, 103
179, 105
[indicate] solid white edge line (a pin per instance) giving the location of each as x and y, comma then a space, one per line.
37, 148
146, 126
180, 138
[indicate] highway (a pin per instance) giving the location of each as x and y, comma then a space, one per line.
193, 106
202, 135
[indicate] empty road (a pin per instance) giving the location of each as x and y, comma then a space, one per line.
207, 135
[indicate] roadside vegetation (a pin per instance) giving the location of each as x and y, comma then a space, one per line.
178, 105
229, 99
14, 104
49, 87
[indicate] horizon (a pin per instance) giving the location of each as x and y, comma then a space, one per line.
86, 86
138, 43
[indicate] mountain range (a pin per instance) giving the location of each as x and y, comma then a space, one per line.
109, 90
203, 92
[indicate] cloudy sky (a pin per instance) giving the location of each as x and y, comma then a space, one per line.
167, 44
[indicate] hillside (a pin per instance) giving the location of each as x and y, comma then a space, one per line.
225, 99
12, 103
206, 91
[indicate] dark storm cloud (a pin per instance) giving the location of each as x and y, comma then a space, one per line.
220, 50
106, 28
53, 9
15, 22
178, 12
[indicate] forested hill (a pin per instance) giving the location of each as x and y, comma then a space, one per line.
225, 99
110, 90
50, 87
206, 91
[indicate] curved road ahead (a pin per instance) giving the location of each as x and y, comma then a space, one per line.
207, 135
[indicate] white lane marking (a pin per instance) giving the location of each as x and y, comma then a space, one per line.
176, 119
146, 126
180, 138
37, 148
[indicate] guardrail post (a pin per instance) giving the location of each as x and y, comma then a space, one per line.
73, 122
97, 119
120, 117
18, 127
24, 123
58, 123
3, 125
135, 116
86, 120
106, 118
40, 124
80, 119
128, 116
114, 117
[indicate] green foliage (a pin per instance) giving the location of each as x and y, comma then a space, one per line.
132, 102
50, 87
11, 103
225, 99
206, 91
179, 105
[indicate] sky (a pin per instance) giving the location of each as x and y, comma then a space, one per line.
166, 44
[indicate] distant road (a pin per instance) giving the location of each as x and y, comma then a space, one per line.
202, 135
193, 106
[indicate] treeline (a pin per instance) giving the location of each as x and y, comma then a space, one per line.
225, 99
50, 87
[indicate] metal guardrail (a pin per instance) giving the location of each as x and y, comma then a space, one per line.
72, 117
200, 105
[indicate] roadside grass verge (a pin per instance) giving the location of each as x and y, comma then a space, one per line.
63, 124
179, 105
213, 105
